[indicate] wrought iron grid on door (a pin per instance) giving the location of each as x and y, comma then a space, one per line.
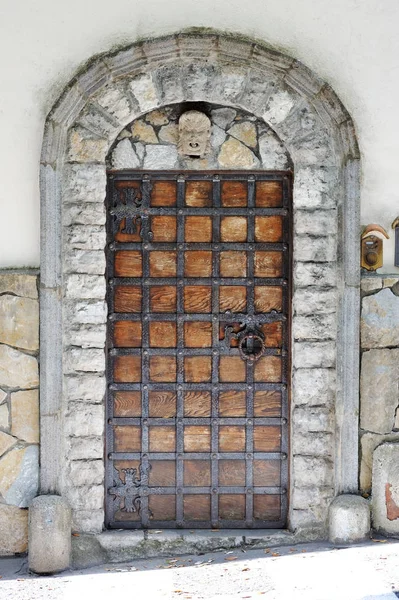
198, 349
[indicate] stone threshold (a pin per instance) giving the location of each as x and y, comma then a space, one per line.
118, 546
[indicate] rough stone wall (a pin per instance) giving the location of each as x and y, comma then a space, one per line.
239, 141
19, 406
379, 380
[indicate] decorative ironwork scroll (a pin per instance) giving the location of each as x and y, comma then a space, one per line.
133, 209
129, 491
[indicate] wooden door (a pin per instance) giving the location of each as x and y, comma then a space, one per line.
198, 349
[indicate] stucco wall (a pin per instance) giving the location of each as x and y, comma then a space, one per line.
350, 44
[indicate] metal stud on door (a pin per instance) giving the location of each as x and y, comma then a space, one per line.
198, 349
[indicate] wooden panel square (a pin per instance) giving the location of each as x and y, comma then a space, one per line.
199, 193
197, 299
232, 438
127, 404
163, 334
128, 263
128, 237
267, 508
267, 473
163, 368
268, 369
162, 507
162, 404
162, 438
197, 369
233, 264
232, 404
268, 298
234, 193
198, 229
232, 298
197, 473
232, 472
163, 193
163, 299
269, 229
127, 299
267, 438
232, 369
198, 263
197, 404
273, 333
268, 264
127, 369
232, 507
269, 194
198, 334
127, 334
163, 228
197, 507
233, 229
127, 438
197, 438
162, 473
163, 263
267, 403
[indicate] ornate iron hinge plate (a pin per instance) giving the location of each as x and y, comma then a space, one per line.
129, 492
133, 210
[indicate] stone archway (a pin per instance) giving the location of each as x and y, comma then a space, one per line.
319, 135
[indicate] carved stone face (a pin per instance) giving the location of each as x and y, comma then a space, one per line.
194, 134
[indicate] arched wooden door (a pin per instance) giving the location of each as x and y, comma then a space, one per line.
198, 272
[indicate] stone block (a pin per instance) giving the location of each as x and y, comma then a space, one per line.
385, 486
84, 419
313, 420
368, 443
86, 497
272, 152
145, 92
314, 354
379, 393
303, 80
82, 286
25, 415
311, 301
170, 133
313, 471
91, 262
349, 519
19, 476
86, 550
85, 237
223, 117
160, 157
234, 154
84, 359
49, 535
313, 444
13, 530
124, 156
84, 214
314, 387
86, 472
88, 521
316, 187
91, 313
19, 284
99, 122
228, 84
115, 101
370, 284
279, 105
17, 370
315, 274
309, 497
85, 146
86, 336
6, 442
4, 417
85, 448
69, 106
316, 327
379, 320
84, 183
316, 249
85, 387
170, 80
19, 323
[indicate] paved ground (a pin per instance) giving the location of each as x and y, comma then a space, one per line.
307, 572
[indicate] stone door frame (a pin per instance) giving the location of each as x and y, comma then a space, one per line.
318, 132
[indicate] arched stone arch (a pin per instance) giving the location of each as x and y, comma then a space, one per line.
319, 135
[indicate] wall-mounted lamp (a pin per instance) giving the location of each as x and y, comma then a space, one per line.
371, 247
395, 226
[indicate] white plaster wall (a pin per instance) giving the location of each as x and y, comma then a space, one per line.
351, 44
